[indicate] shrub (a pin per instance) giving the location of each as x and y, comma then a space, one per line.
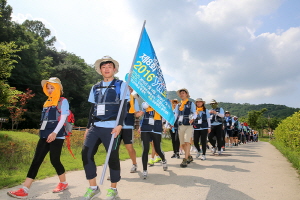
288, 132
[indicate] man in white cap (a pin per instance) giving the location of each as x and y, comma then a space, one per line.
184, 114
105, 98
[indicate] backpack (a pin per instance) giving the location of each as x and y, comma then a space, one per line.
68, 125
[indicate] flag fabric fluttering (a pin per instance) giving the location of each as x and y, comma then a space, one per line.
146, 78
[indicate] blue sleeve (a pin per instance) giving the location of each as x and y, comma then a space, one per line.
65, 107
176, 110
123, 85
91, 96
136, 105
141, 121
222, 111
193, 107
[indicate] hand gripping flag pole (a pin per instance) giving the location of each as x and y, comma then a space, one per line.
119, 113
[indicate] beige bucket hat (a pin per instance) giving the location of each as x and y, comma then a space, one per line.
200, 99
105, 59
183, 89
53, 80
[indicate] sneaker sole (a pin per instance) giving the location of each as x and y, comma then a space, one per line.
60, 190
183, 166
18, 197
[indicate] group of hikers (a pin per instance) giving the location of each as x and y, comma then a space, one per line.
193, 126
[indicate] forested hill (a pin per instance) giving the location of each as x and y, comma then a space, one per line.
241, 110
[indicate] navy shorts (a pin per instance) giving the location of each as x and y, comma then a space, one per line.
127, 136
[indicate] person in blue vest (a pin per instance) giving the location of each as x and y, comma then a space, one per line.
201, 126
52, 135
127, 136
228, 124
105, 98
236, 130
151, 129
184, 114
216, 134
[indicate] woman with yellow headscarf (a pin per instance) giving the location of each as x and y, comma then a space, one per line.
151, 129
52, 135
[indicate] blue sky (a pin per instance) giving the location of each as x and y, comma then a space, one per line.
233, 51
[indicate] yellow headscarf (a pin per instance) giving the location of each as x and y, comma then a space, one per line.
183, 104
156, 115
54, 97
131, 109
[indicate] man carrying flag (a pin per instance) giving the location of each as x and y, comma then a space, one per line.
105, 98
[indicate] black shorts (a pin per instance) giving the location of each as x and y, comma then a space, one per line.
229, 133
127, 136
235, 133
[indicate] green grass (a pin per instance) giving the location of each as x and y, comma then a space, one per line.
264, 139
17, 150
292, 155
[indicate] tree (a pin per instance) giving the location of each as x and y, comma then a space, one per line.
16, 109
255, 118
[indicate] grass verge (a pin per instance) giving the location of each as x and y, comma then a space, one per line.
291, 155
17, 151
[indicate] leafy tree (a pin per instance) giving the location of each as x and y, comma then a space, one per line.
254, 116
16, 109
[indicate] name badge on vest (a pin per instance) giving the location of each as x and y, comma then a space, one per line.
200, 121
228, 124
151, 121
180, 119
100, 109
43, 125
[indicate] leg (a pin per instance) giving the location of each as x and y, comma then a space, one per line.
89, 149
127, 136
211, 136
219, 134
157, 144
55, 152
203, 134
145, 136
41, 151
114, 161
196, 139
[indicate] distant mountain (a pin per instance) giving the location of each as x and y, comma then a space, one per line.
241, 110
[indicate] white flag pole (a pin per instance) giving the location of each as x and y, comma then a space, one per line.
119, 112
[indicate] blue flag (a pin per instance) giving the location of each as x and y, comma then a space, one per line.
148, 81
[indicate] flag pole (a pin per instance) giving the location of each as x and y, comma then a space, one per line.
119, 112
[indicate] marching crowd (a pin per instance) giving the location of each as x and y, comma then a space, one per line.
195, 125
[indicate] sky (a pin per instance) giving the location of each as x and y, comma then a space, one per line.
245, 51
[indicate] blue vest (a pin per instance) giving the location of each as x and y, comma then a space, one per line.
110, 98
51, 115
185, 112
217, 118
228, 120
157, 127
129, 119
204, 121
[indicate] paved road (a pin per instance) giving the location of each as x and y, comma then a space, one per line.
251, 171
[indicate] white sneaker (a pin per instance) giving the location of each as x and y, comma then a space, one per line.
222, 150
145, 174
198, 154
219, 152
165, 166
203, 157
214, 150
133, 168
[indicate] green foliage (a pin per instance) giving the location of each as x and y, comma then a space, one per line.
288, 132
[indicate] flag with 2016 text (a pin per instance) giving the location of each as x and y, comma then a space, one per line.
148, 81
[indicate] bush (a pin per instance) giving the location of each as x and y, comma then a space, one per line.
288, 132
